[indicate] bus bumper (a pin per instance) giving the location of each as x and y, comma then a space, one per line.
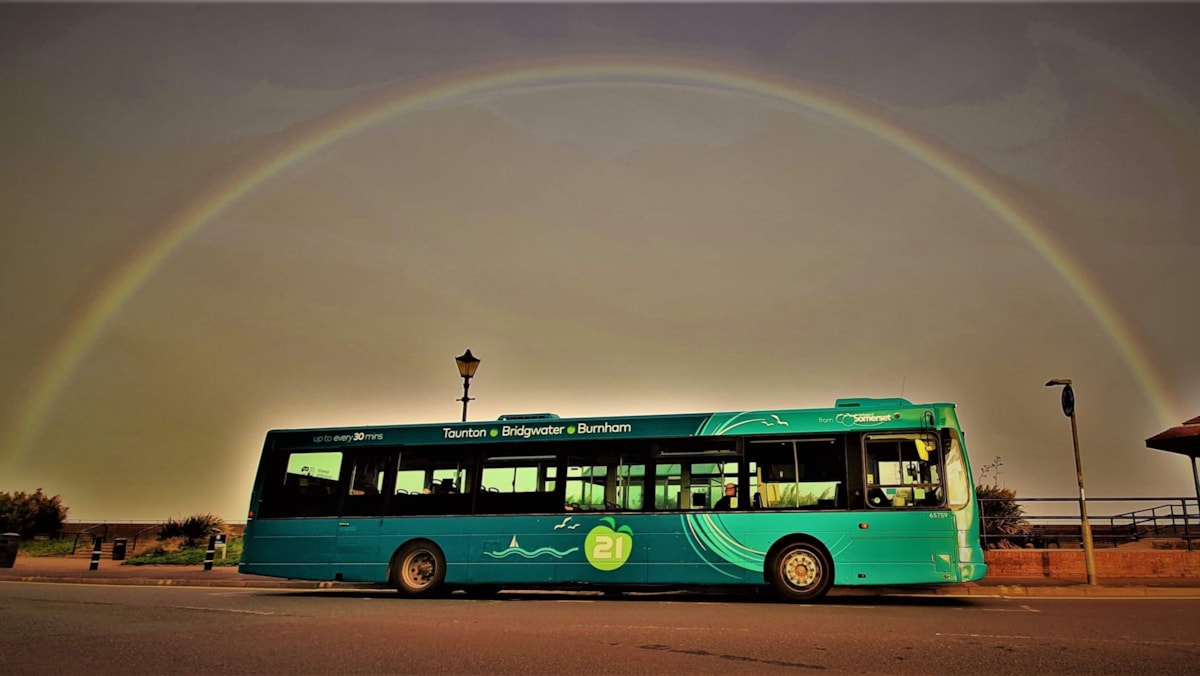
969, 572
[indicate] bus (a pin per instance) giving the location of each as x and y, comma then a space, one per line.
868, 492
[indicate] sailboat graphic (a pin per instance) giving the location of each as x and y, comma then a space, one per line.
514, 548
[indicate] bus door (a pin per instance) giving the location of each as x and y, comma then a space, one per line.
366, 480
295, 525
906, 532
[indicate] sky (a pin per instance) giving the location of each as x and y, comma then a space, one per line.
221, 219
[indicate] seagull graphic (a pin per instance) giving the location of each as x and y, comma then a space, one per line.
564, 523
572, 526
781, 422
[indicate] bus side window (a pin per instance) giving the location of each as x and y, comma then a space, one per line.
364, 491
800, 473
308, 486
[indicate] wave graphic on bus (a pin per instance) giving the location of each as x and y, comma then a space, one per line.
514, 549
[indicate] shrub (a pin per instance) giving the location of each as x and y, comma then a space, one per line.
192, 529
29, 514
1002, 516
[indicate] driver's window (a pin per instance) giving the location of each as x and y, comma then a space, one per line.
903, 471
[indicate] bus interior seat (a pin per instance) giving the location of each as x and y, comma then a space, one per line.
834, 502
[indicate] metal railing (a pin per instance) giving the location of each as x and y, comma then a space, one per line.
86, 531
1053, 522
133, 549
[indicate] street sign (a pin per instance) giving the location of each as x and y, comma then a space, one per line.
1068, 401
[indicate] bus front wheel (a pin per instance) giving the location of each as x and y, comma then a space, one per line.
801, 571
419, 570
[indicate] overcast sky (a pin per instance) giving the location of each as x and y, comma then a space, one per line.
219, 220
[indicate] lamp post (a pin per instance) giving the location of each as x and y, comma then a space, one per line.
1068, 407
467, 363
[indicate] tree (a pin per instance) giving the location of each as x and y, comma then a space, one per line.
29, 514
1001, 516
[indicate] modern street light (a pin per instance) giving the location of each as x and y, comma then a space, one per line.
467, 363
1068, 407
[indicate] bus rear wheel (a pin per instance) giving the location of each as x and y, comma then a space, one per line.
801, 571
419, 569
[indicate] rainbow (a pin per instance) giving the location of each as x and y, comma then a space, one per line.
65, 356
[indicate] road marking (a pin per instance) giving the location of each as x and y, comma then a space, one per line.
224, 610
1001, 636
653, 627
1022, 609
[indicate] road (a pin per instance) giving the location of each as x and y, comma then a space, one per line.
64, 628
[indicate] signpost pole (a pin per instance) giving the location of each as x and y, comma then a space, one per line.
1068, 407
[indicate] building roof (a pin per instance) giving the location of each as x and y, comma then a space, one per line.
1183, 439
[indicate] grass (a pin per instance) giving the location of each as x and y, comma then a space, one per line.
188, 556
60, 547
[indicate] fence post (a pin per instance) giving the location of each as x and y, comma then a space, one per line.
1187, 521
97, 541
983, 525
208, 555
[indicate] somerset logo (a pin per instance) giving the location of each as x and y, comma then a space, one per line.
865, 419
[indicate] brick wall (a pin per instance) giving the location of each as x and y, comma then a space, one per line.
1109, 563
131, 529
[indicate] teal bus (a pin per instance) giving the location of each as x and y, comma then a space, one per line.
869, 492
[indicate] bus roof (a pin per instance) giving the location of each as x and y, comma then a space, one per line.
861, 415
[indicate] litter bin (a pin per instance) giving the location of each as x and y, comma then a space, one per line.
119, 549
9, 542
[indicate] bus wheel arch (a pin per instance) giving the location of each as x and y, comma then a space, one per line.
799, 568
418, 569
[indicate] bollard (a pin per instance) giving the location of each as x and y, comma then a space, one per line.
97, 541
212, 549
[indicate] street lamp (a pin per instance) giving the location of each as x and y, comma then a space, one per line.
1068, 407
467, 363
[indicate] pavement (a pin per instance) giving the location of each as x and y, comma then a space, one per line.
77, 571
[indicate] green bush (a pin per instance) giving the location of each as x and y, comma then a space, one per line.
193, 529
29, 514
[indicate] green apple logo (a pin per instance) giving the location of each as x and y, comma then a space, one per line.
608, 547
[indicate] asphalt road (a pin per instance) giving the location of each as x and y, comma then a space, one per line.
63, 628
